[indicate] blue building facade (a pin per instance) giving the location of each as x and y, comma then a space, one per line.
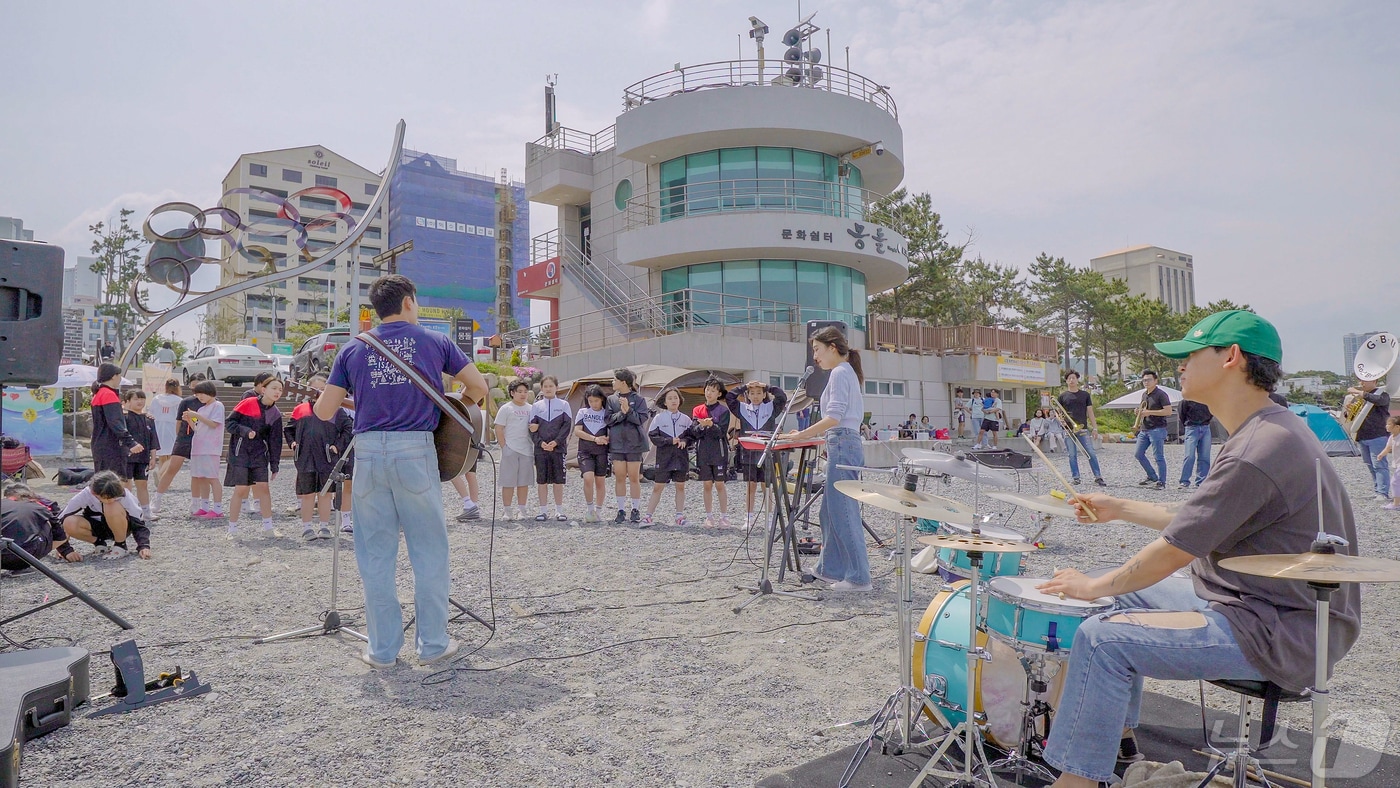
464, 249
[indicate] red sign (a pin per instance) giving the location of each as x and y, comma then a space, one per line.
533, 281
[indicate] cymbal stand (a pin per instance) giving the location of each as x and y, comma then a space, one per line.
973, 745
1324, 543
903, 700
1019, 760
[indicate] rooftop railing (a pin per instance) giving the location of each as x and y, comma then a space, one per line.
782, 195
756, 73
915, 336
564, 138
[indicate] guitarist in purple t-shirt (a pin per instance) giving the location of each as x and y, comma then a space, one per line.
396, 484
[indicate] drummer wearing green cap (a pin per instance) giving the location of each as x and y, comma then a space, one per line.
1260, 498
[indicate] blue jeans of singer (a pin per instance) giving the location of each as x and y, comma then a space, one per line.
1380, 469
397, 490
1107, 664
1085, 441
1157, 439
844, 556
1197, 453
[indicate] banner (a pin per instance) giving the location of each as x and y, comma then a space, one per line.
1016, 370
153, 377
35, 416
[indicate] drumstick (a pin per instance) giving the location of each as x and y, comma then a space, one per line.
1089, 510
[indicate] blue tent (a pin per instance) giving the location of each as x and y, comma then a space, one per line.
1328, 430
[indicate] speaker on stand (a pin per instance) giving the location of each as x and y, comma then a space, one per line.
816, 382
31, 312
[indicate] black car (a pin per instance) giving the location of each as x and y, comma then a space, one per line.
317, 353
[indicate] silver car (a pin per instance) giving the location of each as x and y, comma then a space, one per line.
232, 364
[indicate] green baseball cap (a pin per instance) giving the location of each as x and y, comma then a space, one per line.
1251, 332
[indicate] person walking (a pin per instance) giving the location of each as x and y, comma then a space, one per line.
1154, 409
396, 487
1195, 429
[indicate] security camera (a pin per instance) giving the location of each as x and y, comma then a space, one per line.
879, 149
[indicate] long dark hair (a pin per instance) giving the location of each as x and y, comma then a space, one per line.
105, 373
832, 336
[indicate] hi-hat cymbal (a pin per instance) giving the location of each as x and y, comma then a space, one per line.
894, 498
983, 544
940, 462
1039, 503
1317, 567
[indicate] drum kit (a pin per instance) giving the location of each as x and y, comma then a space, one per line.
986, 662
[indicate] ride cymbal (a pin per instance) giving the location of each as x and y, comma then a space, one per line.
1317, 567
969, 542
1040, 503
941, 462
894, 498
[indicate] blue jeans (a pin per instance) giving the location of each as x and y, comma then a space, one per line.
1085, 440
1157, 438
1197, 453
397, 489
1103, 683
844, 556
1380, 469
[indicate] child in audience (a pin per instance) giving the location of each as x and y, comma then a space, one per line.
550, 421
513, 436
712, 450
1392, 449
316, 447
591, 429
627, 442
105, 511
143, 428
756, 408
256, 390
164, 409
206, 424
255, 453
670, 434
182, 451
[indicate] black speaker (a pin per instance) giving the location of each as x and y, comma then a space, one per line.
31, 312
816, 383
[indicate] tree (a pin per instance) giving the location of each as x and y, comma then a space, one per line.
299, 332
934, 263
1054, 298
118, 267
987, 294
217, 326
1098, 298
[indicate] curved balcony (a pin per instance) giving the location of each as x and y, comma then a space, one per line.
780, 195
748, 102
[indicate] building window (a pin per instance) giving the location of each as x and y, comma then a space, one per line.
737, 292
622, 194
371, 189
373, 233
291, 176
897, 388
326, 180
318, 203
275, 240
759, 178
257, 170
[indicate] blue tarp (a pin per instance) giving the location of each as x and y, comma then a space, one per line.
1327, 429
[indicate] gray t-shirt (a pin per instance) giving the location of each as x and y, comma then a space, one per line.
1261, 498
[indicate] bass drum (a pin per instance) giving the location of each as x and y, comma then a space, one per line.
999, 683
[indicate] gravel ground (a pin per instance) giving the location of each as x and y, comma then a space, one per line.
617, 660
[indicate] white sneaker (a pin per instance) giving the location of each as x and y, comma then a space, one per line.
846, 585
1379, 497
115, 553
447, 653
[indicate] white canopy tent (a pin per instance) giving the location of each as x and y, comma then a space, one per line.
1132, 399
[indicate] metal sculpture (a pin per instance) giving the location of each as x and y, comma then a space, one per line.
175, 256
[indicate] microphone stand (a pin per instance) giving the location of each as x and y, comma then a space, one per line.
777, 481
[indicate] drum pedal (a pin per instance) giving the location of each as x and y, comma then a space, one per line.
137, 693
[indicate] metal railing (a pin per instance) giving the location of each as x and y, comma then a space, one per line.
914, 336
564, 138
758, 73
744, 195
611, 286
680, 311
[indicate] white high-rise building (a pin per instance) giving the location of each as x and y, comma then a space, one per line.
1350, 344
12, 229
1154, 272
315, 181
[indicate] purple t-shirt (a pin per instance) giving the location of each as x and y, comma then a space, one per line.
385, 399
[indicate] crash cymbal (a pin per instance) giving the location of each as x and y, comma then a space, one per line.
894, 498
984, 544
1317, 567
1040, 503
939, 462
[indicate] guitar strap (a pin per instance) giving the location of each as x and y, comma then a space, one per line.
416, 377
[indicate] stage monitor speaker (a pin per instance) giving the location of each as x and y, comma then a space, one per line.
31, 312
816, 383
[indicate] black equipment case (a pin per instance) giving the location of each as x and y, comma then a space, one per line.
1001, 458
39, 689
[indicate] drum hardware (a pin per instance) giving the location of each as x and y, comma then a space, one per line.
1088, 510
959, 466
900, 704
1031, 741
906, 501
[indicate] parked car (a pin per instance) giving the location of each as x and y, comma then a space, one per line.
317, 353
284, 364
232, 364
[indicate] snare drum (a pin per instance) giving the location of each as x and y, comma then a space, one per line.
1023, 617
940, 669
954, 564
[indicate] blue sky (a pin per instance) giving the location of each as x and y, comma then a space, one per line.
1257, 136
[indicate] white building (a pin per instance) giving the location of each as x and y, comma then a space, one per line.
726, 208
12, 229
315, 181
1350, 344
1307, 385
1154, 272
